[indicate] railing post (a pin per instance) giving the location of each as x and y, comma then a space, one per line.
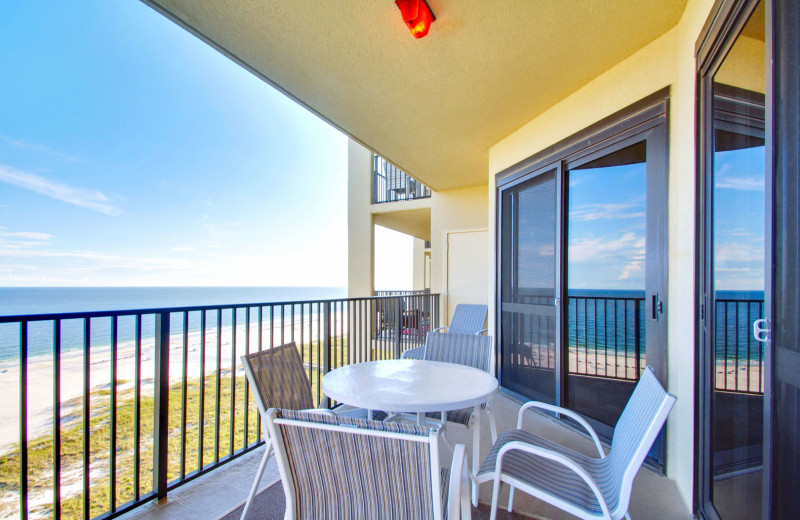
161, 407
637, 348
398, 327
326, 342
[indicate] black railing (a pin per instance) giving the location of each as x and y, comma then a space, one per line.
606, 336
393, 184
739, 363
402, 293
146, 400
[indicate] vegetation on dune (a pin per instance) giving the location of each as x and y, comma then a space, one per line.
217, 441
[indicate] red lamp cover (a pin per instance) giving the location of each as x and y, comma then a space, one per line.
417, 15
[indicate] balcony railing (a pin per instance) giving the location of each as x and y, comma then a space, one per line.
139, 402
739, 363
393, 184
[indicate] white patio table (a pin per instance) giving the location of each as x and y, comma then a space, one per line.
410, 385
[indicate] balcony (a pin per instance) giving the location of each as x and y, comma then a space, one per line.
109, 418
391, 184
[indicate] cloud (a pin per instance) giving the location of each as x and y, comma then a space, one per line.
182, 248
740, 252
591, 249
30, 235
89, 199
743, 183
25, 145
589, 212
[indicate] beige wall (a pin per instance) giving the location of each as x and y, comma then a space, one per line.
360, 230
667, 62
419, 264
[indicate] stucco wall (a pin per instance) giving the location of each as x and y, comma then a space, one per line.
360, 231
667, 62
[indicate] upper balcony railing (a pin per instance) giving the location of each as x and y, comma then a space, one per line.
117, 408
393, 184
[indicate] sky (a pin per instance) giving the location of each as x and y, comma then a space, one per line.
607, 228
133, 154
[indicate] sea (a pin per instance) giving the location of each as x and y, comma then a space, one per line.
591, 322
17, 301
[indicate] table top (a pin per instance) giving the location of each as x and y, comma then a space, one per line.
409, 385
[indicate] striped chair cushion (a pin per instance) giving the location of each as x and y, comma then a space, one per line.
465, 349
280, 378
457, 416
467, 319
343, 475
414, 353
550, 476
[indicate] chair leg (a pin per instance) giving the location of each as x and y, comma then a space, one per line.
257, 481
492, 422
495, 497
476, 450
511, 500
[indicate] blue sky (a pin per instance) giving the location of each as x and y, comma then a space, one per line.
131, 153
607, 228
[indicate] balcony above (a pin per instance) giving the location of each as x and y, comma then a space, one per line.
391, 184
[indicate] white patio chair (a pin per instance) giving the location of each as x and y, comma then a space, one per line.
586, 487
467, 319
277, 378
473, 351
343, 468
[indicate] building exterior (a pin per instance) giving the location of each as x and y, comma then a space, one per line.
583, 156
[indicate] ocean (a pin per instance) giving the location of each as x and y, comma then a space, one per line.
46, 300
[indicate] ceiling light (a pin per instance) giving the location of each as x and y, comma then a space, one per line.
417, 15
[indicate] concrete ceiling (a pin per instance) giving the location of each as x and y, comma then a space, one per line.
432, 106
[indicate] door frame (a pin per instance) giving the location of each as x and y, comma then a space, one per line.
724, 24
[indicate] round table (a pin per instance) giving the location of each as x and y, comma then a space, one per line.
409, 385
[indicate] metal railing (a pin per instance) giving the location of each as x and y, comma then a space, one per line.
143, 401
739, 363
402, 293
392, 184
606, 336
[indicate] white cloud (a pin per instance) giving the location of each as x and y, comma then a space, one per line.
89, 199
25, 145
754, 183
589, 212
30, 235
591, 249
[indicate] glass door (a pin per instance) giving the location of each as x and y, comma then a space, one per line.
606, 260
733, 370
529, 286
582, 269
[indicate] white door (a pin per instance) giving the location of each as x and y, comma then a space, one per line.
467, 276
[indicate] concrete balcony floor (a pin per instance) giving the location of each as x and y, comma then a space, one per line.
207, 498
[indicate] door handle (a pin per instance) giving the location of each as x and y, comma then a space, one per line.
657, 307
761, 330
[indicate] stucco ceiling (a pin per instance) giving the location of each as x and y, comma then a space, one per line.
432, 106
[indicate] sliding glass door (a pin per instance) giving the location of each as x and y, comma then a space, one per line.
530, 287
582, 271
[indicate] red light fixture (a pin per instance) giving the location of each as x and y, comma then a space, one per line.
417, 15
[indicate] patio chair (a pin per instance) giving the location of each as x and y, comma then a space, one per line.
470, 350
586, 487
341, 468
278, 379
467, 319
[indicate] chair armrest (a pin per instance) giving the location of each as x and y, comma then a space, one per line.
569, 413
556, 457
481, 331
437, 329
458, 493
